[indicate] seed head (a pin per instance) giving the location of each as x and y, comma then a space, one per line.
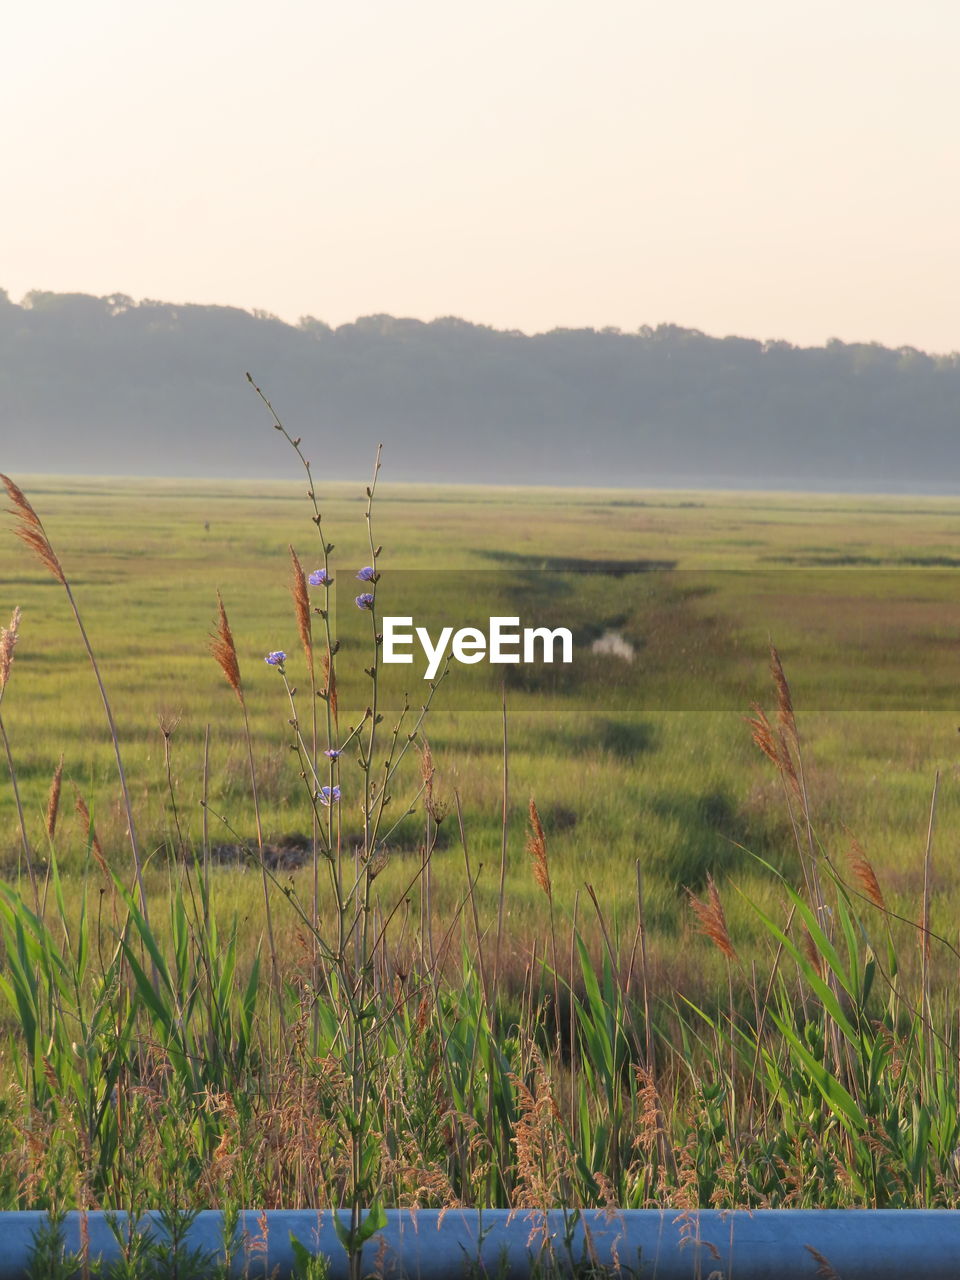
773, 743
537, 849
301, 602
31, 531
711, 919
8, 641
785, 716
436, 807
225, 651
53, 799
866, 875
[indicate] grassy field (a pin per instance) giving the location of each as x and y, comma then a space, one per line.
434, 992
655, 766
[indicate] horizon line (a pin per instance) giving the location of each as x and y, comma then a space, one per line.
686, 489
263, 314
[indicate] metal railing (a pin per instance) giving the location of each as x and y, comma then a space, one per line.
427, 1244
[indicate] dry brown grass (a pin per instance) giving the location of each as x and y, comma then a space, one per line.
29, 529
8, 642
785, 716
224, 650
537, 849
712, 922
53, 799
773, 743
301, 604
865, 875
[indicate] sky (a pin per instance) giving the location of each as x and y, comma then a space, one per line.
751, 167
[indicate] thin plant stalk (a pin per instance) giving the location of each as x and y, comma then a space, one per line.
32, 532
504, 827
21, 821
224, 651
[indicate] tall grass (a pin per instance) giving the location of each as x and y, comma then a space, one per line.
386, 1062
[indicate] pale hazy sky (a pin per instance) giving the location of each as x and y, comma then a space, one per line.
739, 166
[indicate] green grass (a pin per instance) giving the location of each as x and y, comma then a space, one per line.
426, 1036
682, 790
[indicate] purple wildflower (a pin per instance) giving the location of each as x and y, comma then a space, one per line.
365, 601
276, 659
369, 574
328, 795
332, 754
320, 578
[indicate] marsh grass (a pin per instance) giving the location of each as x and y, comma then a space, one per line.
422, 1034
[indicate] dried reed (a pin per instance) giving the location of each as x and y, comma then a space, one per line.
773, 744
225, 651
537, 849
711, 919
8, 642
53, 800
865, 875
785, 717
301, 602
30, 530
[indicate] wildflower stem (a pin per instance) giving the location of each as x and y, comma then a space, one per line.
328, 661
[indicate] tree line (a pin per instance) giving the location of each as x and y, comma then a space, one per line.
116, 386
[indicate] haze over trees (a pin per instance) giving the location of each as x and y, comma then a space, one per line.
112, 386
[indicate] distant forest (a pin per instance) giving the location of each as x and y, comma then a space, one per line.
113, 386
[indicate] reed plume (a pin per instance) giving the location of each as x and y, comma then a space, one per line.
53, 799
773, 743
762, 733
712, 921
865, 875
30, 529
435, 806
8, 642
537, 849
537, 1140
301, 600
225, 651
785, 717
427, 772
